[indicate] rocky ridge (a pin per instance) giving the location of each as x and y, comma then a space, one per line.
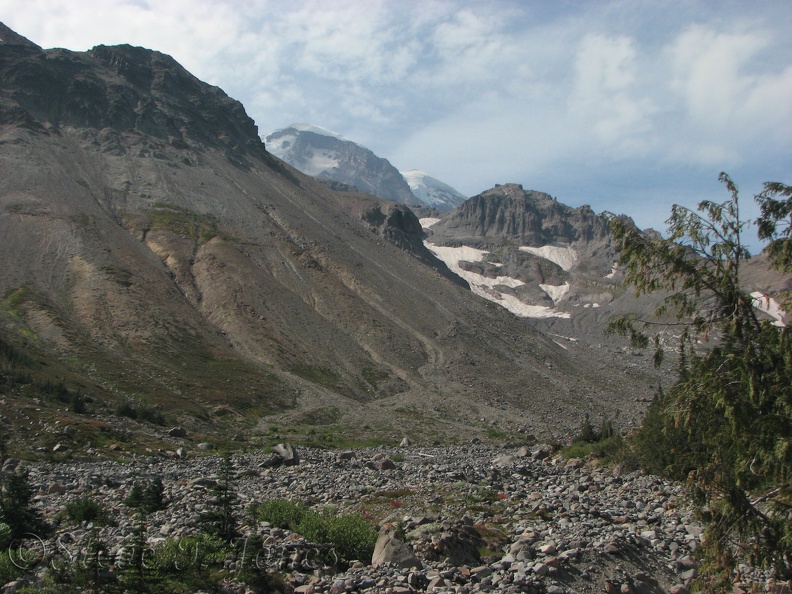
477, 518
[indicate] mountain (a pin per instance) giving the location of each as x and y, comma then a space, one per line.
159, 267
329, 156
432, 191
553, 263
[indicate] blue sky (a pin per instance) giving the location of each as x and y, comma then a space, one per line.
626, 105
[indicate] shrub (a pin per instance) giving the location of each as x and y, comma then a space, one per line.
5, 535
87, 509
8, 571
147, 498
145, 413
351, 536
189, 564
281, 513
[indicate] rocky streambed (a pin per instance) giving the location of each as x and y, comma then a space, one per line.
454, 519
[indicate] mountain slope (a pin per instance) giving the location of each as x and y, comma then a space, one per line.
155, 255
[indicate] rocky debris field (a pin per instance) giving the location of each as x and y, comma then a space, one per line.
454, 519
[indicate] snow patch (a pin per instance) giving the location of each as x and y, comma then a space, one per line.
484, 286
613, 272
319, 161
427, 222
565, 257
556, 292
763, 302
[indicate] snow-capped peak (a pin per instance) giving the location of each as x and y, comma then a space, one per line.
301, 127
431, 190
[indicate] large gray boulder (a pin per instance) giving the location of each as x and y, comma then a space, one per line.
287, 453
390, 549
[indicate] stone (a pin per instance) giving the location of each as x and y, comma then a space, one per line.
688, 575
56, 489
381, 464
177, 432
405, 443
287, 453
390, 549
548, 549
542, 452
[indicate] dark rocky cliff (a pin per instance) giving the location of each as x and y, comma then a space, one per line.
529, 218
121, 90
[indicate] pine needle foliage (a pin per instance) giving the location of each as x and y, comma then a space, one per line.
726, 423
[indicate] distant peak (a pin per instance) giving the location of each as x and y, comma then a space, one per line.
302, 127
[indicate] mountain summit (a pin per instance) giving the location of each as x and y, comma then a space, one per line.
340, 162
432, 191
331, 157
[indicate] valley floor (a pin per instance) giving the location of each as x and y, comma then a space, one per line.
478, 518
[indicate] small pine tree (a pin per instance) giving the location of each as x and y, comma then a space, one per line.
16, 508
147, 498
221, 521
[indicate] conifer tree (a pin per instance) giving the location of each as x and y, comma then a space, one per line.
727, 420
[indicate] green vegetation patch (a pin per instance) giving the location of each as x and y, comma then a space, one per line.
351, 536
14, 299
184, 222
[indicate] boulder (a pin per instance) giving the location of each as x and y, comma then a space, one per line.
390, 549
287, 453
177, 432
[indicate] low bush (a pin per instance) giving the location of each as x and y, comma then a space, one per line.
189, 564
8, 570
281, 513
87, 509
352, 536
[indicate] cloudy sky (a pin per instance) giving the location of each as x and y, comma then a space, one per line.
626, 105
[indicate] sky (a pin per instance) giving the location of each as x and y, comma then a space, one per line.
628, 106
